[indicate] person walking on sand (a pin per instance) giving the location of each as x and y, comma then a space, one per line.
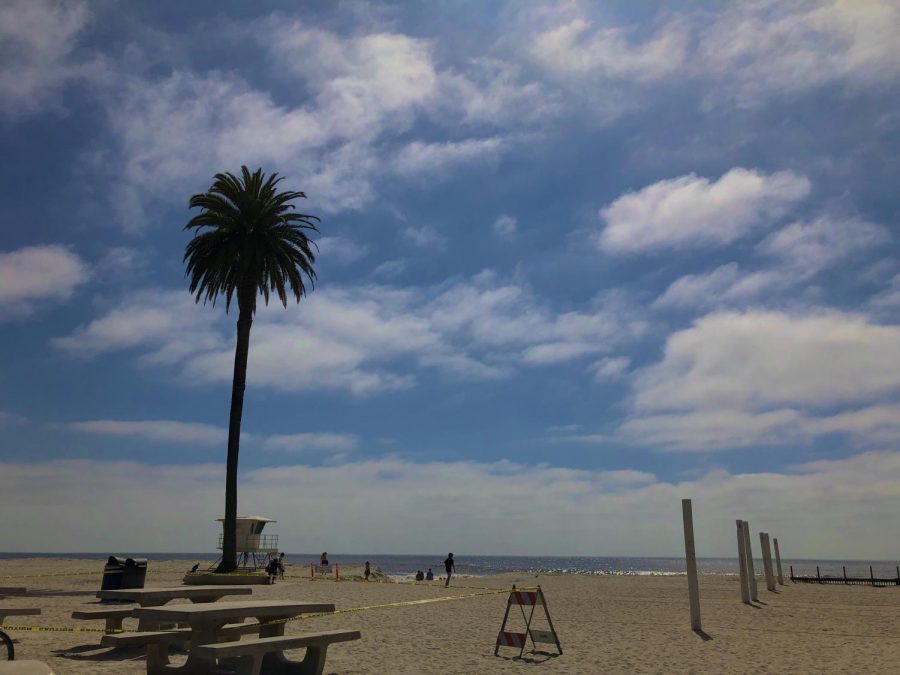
368, 571
450, 566
281, 565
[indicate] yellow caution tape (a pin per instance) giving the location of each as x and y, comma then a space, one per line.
56, 574
349, 610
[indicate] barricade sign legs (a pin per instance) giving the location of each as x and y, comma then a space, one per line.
524, 599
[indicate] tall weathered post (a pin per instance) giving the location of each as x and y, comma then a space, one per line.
767, 560
778, 562
742, 563
748, 551
691, 560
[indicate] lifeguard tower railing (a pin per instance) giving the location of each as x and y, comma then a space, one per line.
259, 543
253, 551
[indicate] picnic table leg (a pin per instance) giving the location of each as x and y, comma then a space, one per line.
205, 634
276, 663
157, 657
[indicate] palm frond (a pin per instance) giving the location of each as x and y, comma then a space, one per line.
248, 235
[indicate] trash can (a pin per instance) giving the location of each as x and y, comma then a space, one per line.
135, 573
113, 572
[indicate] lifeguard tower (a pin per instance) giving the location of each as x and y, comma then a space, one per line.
254, 549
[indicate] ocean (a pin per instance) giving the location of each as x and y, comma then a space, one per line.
402, 566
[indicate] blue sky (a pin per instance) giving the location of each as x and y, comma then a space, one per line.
576, 262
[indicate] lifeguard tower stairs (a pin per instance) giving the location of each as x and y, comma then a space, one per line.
254, 549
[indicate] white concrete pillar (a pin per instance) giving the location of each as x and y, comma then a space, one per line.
751, 575
691, 560
742, 564
778, 562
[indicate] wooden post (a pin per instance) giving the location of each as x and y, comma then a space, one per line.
691, 560
778, 561
845, 574
742, 562
751, 574
767, 560
872, 576
817, 574
792, 573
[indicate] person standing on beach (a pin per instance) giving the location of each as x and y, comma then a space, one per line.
368, 571
450, 566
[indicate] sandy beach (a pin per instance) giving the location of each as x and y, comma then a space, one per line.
616, 624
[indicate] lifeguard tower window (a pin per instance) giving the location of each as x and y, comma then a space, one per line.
254, 549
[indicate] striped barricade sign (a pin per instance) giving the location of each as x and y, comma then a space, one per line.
523, 599
526, 598
507, 639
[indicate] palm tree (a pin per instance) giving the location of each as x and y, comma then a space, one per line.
247, 240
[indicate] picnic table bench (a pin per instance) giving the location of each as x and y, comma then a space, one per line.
209, 627
17, 611
266, 655
113, 616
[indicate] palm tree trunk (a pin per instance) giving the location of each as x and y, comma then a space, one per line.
239, 383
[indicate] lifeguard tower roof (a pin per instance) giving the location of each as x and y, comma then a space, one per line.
258, 519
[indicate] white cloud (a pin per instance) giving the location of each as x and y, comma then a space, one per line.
418, 159
364, 94
612, 368
362, 339
341, 250
819, 244
10, 419
31, 275
169, 322
691, 211
889, 298
37, 41
475, 502
505, 226
312, 441
425, 237
390, 269
796, 253
574, 49
742, 379
744, 55
758, 50
166, 431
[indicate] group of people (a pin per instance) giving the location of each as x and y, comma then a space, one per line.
275, 568
449, 568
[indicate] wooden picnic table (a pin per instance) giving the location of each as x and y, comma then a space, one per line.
207, 620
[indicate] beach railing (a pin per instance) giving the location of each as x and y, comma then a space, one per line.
844, 580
